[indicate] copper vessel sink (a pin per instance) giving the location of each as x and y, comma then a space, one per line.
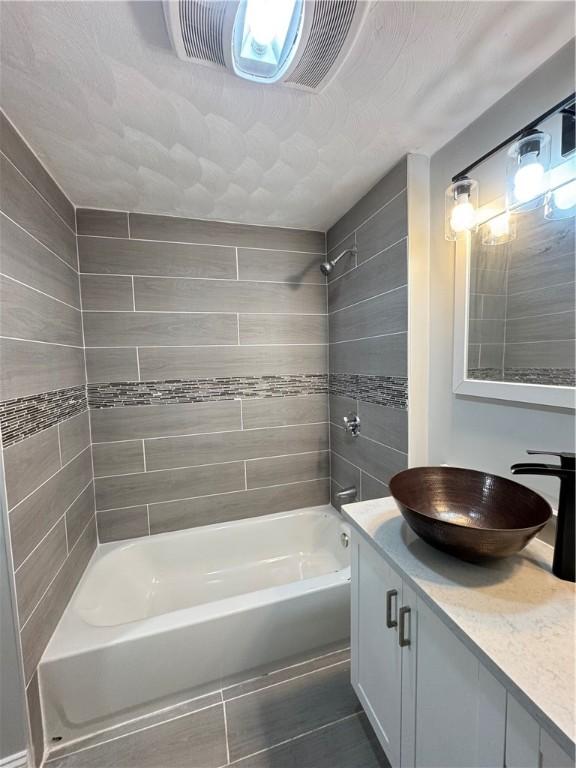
472, 515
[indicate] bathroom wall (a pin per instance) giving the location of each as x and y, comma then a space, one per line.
206, 353
478, 432
368, 323
43, 409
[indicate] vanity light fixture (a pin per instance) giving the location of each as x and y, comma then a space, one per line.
527, 164
461, 204
561, 202
499, 230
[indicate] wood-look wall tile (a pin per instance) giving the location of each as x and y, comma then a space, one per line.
104, 365
40, 452
133, 329
35, 574
292, 708
550, 327
383, 229
349, 742
191, 513
175, 229
118, 524
27, 368
165, 453
20, 154
22, 203
40, 627
92, 221
197, 740
171, 484
28, 261
539, 354
139, 422
342, 406
78, 515
374, 317
74, 436
182, 295
384, 356
281, 266
287, 469
184, 363
488, 281
491, 355
539, 301
386, 425
106, 292
382, 273
140, 257
346, 262
283, 329
27, 314
377, 460
343, 473
381, 193
486, 331
284, 411
34, 516
118, 458
372, 488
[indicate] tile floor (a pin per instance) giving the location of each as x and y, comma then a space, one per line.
302, 716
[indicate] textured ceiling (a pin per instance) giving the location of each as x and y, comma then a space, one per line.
122, 123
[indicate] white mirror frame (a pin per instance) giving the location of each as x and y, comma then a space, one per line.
560, 397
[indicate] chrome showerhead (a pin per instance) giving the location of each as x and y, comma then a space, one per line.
327, 266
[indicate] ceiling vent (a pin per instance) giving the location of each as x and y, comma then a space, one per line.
300, 43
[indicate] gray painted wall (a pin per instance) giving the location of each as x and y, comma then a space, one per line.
467, 431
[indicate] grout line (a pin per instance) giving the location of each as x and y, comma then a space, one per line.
49, 204
245, 476
225, 493
531, 290
128, 223
39, 242
193, 346
238, 325
232, 280
377, 442
533, 317
148, 517
137, 359
371, 216
368, 338
59, 444
204, 245
226, 729
221, 463
133, 295
47, 479
57, 572
43, 293
198, 434
288, 680
203, 312
49, 343
144, 457
363, 301
52, 526
237, 264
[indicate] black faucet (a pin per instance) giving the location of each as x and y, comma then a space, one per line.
563, 564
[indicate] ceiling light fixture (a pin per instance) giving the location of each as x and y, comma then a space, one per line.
265, 38
527, 164
461, 203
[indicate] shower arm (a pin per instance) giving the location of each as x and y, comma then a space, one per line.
352, 250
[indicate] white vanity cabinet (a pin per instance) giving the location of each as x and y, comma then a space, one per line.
430, 700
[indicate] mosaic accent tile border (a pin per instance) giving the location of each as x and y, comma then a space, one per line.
175, 391
558, 377
381, 390
25, 416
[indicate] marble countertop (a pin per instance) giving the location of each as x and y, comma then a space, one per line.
513, 613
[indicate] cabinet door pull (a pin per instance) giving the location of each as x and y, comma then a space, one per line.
391, 595
403, 639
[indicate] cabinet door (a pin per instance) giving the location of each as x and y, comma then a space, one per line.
376, 654
528, 745
460, 707
552, 755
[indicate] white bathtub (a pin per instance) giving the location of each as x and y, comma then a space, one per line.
155, 621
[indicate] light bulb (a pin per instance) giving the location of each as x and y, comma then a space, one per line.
260, 17
500, 225
463, 215
529, 182
565, 196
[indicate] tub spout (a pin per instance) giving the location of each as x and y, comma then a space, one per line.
346, 495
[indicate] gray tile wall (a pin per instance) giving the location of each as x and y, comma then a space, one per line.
368, 321
522, 308
45, 427
229, 324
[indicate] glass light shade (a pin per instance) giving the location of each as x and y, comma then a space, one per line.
526, 168
461, 205
561, 202
499, 230
266, 37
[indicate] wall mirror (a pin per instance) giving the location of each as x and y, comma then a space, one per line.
515, 275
